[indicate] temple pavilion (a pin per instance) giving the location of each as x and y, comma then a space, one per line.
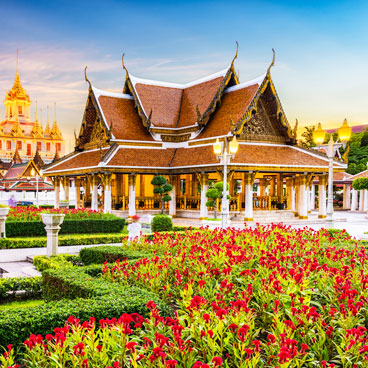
156, 127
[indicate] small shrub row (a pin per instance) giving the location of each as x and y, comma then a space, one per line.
108, 254
64, 240
84, 226
9, 286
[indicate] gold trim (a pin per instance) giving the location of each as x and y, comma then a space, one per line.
321, 216
303, 217
248, 219
141, 144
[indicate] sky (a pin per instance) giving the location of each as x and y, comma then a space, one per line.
320, 71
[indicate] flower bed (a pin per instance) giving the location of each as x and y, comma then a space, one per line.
34, 214
268, 297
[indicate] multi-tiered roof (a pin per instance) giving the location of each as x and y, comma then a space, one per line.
170, 128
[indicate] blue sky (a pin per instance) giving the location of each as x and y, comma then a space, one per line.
321, 50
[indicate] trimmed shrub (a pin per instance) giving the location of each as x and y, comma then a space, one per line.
43, 263
108, 254
64, 240
83, 226
91, 297
9, 286
162, 223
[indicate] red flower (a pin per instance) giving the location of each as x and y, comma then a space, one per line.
217, 361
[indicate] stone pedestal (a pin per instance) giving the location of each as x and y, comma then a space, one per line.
3, 214
52, 222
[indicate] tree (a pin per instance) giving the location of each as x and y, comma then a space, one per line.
213, 193
360, 183
162, 187
308, 136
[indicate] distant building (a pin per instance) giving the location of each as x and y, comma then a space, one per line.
19, 133
354, 129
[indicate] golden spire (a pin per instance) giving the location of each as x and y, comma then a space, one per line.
55, 131
47, 129
17, 92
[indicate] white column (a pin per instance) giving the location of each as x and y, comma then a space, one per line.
361, 196
365, 200
354, 200
346, 201
57, 192
107, 193
296, 199
66, 188
322, 204
131, 205
313, 197
94, 201
248, 181
303, 198
77, 185
204, 187
172, 203
292, 195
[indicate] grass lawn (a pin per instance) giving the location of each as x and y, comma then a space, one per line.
21, 303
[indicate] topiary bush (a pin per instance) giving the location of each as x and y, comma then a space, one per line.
162, 223
95, 255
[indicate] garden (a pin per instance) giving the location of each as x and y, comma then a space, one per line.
25, 229
272, 296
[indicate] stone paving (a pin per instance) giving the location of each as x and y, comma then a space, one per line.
14, 261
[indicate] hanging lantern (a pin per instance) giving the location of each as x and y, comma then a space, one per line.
234, 145
344, 132
319, 135
217, 148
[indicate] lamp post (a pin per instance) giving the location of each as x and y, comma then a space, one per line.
224, 154
33, 174
344, 134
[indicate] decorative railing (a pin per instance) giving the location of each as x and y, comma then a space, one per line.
265, 202
149, 203
188, 203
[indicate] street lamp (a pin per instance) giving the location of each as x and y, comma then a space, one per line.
344, 134
224, 154
33, 172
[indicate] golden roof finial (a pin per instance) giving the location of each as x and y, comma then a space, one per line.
55, 111
236, 54
272, 63
41, 116
86, 78
48, 114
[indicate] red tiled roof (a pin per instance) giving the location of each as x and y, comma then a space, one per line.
200, 94
78, 160
234, 103
171, 158
15, 171
163, 101
175, 106
363, 174
126, 123
249, 154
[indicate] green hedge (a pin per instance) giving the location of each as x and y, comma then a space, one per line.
64, 240
108, 254
162, 223
83, 226
43, 263
82, 296
31, 285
